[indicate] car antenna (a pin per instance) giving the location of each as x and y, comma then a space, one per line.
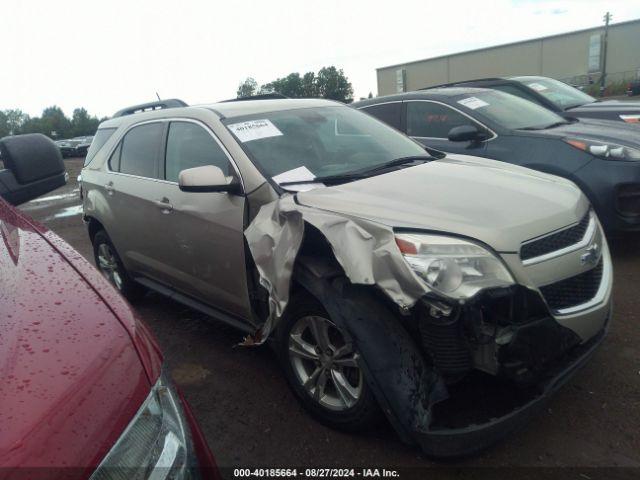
159, 99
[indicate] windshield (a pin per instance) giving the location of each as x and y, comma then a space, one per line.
508, 111
561, 94
306, 143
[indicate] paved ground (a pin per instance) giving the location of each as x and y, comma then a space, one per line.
251, 419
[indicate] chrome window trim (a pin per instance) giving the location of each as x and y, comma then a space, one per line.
586, 240
495, 135
381, 103
168, 120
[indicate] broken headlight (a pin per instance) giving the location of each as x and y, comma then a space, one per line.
608, 151
451, 266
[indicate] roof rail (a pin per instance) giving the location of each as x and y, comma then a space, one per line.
261, 96
462, 83
151, 106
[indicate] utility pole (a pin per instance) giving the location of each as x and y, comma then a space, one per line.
607, 19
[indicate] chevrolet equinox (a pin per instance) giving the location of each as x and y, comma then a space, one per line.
515, 263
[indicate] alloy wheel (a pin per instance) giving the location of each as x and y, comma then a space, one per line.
325, 363
108, 265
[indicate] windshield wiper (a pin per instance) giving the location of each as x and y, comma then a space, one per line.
360, 174
396, 163
328, 180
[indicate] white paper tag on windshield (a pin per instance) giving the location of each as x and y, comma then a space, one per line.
473, 103
538, 87
299, 174
254, 130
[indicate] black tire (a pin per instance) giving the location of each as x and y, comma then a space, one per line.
363, 413
115, 272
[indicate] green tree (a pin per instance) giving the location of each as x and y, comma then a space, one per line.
329, 82
11, 121
82, 123
309, 89
333, 84
247, 88
54, 123
4, 125
289, 86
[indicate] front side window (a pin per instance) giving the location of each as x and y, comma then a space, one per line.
319, 141
97, 142
428, 119
188, 146
563, 95
140, 148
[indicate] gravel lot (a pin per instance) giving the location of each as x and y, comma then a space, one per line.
250, 418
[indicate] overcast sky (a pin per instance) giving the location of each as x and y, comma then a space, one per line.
107, 54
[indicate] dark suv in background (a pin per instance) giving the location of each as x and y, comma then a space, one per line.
558, 97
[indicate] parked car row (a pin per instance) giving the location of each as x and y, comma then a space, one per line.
452, 293
634, 89
74, 147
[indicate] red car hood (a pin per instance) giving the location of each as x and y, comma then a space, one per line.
75, 365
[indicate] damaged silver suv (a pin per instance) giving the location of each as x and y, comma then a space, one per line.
451, 293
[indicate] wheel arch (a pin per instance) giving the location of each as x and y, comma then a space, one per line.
93, 226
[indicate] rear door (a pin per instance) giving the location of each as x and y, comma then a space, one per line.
430, 122
129, 187
202, 242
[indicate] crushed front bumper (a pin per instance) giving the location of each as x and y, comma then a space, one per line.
471, 439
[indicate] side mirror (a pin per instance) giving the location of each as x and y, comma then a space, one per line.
32, 167
207, 179
465, 133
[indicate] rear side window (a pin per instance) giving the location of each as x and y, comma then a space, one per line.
189, 146
114, 160
99, 139
389, 113
427, 119
140, 148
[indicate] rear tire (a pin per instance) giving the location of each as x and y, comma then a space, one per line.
321, 367
109, 264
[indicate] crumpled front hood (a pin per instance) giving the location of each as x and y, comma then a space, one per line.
494, 202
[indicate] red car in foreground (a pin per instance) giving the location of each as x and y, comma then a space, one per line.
83, 392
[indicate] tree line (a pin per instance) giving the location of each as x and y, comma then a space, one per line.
329, 82
52, 123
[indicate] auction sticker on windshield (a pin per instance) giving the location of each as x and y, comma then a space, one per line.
254, 130
473, 103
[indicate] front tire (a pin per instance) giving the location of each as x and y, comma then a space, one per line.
109, 264
321, 365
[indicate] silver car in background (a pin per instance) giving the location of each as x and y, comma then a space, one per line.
515, 262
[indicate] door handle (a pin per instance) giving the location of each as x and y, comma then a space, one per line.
109, 188
164, 205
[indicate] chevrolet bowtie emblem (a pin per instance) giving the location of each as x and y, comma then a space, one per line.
591, 255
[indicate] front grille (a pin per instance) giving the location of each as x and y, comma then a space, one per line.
573, 291
556, 241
